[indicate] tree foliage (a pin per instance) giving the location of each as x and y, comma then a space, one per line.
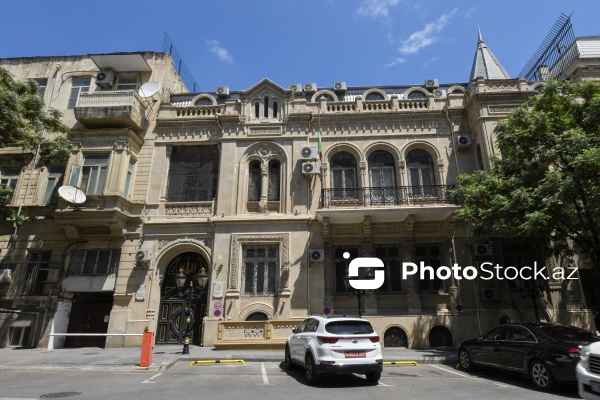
545, 182
25, 123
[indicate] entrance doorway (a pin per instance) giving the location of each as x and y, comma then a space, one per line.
170, 301
90, 312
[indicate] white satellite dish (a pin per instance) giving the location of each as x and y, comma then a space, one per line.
149, 89
72, 194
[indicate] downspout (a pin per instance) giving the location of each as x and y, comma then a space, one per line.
478, 303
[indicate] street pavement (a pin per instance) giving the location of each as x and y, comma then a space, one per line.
165, 356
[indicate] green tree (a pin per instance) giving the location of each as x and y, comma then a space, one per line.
544, 185
25, 123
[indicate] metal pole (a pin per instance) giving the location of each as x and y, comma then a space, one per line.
183, 319
358, 295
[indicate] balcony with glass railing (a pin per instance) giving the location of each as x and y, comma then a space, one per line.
119, 109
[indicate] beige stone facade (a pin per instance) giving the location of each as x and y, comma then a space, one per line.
222, 181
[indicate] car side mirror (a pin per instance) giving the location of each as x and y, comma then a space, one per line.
295, 330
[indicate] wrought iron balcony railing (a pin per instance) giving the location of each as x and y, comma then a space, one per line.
387, 196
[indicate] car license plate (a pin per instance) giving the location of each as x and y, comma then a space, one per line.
595, 386
356, 354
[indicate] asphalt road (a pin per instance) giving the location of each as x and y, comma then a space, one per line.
268, 381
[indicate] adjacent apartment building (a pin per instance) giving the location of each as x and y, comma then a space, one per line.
236, 184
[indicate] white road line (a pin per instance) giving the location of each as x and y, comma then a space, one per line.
468, 376
151, 378
16, 398
383, 384
264, 373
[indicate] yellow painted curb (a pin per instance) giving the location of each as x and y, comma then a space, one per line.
458, 366
199, 362
416, 364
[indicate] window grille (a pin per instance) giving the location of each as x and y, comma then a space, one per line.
94, 262
260, 265
193, 173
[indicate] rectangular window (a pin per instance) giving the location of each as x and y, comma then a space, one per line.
55, 177
127, 83
17, 336
341, 265
431, 255
260, 265
42, 83
129, 179
80, 85
38, 272
9, 178
193, 173
94, 262
391, 255
90, 177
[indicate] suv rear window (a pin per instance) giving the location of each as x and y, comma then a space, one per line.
349, 327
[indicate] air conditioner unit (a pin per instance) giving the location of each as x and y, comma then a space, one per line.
463, 141
5, 275
309, 153
310, 87
489, 294
432, 83
484, 250
439, 93
223, 90
143, 256
105, 78
316, 255
311, 168
296, 87
339, 86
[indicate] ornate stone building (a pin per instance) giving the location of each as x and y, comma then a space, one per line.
232, 182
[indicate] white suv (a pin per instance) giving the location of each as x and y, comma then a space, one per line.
335, 345
588, 372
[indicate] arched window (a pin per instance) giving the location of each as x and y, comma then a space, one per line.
257, 109
266, 107
440, 336
343, 176
204, 101
374, 96
254, 181
395, 337
421, 174
257, 316
416, 95
274, 180
275, 106
327, 97
382, 177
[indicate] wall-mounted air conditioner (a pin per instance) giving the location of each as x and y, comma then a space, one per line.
310, 87
316, 255
143, 256
489, 294
105, 78
223, 90
432, 83
439, 94
463, 141
484, 250
296, 87
309, 153
310, 168
339, 86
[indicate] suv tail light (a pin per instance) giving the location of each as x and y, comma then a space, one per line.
327, 339
574, 354
374, 339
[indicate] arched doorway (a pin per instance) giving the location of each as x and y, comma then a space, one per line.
170, 301
395, 337
440, 336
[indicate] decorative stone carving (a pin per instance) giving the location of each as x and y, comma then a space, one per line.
440, 164
367, 225
409, 224
205, 241
325, 223
402, 164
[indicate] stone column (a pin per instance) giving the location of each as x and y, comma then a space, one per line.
413, 300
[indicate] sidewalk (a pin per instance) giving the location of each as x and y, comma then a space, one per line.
165, 356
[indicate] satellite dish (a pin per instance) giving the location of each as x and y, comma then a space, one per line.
149, 89
72, 194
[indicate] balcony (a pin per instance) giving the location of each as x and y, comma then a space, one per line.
387, 204
110, 110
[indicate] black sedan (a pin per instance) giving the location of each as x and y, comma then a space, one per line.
547, 353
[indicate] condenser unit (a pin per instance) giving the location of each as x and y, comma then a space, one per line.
310, 168
143, 256
484, 250
432, 83
316, 255
463, 141
223, 90
105, 78
310, 87
309, 153
489, 294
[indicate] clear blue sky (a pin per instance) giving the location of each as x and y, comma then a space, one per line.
236, 43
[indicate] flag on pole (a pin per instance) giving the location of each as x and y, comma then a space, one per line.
319, 148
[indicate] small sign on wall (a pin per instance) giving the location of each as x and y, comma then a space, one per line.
218, 290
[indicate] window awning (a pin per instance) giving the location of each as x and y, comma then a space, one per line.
121, 62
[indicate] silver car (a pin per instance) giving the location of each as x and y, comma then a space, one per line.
335, 345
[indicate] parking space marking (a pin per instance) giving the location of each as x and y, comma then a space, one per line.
264, 373
468, 376
149, 380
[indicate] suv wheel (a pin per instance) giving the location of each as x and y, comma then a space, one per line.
310, 369
373, 376
540, 375
288, 358
465, 360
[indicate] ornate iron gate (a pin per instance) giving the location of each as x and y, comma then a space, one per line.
170, 301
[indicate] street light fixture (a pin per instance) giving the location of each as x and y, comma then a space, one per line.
359, 292
187, 293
